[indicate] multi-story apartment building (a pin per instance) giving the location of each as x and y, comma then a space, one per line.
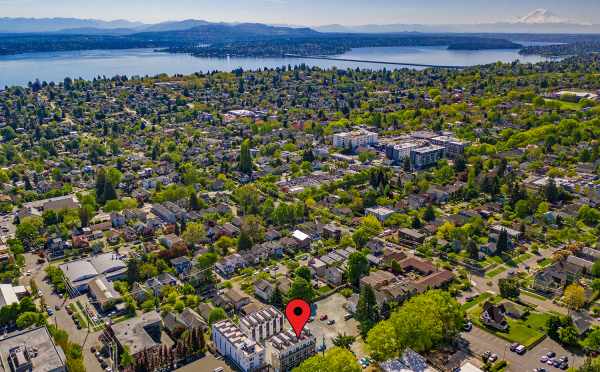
287, 351
453, 146
401, 151
354, 139
262, 324
426, 156
233, 344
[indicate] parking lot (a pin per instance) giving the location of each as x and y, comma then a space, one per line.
480, 341
332, 306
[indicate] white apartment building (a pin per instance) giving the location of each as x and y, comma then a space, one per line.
230, 342
453, 146
262, 324
286, 351
354, 139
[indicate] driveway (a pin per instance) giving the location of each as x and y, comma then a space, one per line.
480, 341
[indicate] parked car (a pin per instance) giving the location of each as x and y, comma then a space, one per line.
348, 316
514, 346
487, 355
50, 312
331, 322
551, 354
468, 326
493, 358
544, 359
323, 317
520, 349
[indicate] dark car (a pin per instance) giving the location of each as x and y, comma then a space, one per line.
551, 354
513, 347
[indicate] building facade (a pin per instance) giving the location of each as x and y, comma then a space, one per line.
424, 157
286, 351
354, 139
233, 344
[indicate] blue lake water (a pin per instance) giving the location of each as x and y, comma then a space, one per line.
55, 66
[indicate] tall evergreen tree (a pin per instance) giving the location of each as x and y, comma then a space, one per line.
366, 310
245, 158
502, 244
244, 241
100, 185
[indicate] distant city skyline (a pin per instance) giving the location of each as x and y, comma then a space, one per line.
305, 12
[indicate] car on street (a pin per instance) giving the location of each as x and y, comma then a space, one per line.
331, 322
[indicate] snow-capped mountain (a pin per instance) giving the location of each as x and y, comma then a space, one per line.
542, 16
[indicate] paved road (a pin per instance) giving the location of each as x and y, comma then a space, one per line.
61, 318
481, 341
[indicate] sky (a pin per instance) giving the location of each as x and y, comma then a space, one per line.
304, 12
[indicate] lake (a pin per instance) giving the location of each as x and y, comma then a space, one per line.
55, 66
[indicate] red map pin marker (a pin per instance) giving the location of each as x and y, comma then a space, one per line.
297, 313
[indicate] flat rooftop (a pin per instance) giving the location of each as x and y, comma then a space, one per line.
48, 356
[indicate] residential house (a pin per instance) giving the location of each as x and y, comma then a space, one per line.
494, 316
264, 290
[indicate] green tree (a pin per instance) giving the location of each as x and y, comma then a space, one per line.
502, 243
367, 312
216, 315
194, 233
574, 296
592, 340
429, 214
29, 231
245, 157
335, 359
344, 341
301, 288
358, 266
509, 287
244, 241
304, 273
422, 323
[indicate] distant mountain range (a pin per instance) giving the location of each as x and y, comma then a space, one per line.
538, 21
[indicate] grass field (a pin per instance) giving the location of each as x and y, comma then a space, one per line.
482, 297
527, 332
533, 295
496, 271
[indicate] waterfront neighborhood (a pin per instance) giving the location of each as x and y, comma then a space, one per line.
435, 220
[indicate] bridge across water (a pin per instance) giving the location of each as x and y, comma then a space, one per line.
376, 62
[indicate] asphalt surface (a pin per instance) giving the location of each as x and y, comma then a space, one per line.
480, 341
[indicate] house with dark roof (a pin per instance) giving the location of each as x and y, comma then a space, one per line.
494, 316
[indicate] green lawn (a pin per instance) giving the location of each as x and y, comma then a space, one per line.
533, 295
522, 258
528, 331
564, 105
545, 262
325, 289
496, 271
482, 297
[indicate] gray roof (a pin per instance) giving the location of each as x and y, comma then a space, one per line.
78, 271
107, 262
50, 357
